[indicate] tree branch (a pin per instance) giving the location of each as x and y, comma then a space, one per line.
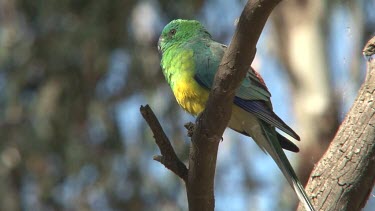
213, 121
344, 177
168, 158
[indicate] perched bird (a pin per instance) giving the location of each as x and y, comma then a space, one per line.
190, 59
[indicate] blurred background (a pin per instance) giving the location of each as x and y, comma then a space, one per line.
73, 74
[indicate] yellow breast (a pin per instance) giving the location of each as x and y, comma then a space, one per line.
190, 95
178, 69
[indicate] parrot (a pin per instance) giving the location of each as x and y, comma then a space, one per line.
189, 61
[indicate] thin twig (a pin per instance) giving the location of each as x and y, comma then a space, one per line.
168, 158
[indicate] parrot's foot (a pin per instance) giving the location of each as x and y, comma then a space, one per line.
190, 128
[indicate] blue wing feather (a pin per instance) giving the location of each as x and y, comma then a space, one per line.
262, 111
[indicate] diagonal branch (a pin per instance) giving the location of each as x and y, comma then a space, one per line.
345, 176
168, 158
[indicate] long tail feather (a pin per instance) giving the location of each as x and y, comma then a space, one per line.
266, 137
272, 146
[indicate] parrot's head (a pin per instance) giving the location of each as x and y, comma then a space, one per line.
180, 31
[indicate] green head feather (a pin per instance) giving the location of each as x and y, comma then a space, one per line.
180, 31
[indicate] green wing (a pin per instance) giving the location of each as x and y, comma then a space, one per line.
252, 96
207, 59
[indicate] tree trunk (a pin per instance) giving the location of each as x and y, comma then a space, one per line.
344, 177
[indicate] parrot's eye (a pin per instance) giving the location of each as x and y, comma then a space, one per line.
172, 32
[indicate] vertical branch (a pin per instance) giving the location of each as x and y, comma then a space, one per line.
213, 121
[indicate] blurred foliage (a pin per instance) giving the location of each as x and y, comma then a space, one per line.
64, 72
73, 74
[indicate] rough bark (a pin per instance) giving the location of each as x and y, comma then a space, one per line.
345, 176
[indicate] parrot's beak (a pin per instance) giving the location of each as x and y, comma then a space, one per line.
161, 39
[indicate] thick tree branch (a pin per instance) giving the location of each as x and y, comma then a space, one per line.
168, 158
213, 121
344, 177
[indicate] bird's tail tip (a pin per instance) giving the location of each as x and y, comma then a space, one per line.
301, 194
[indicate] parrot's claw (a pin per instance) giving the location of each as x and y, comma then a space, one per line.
190, 128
